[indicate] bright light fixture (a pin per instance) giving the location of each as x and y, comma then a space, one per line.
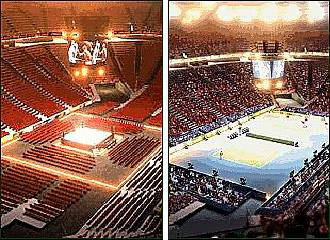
208, 5
194, 14
100, 72
174, 10
269, 13
290, 12
246, 14
75, 35
84, 71
266, 85
314, 12
110, 34
279, 84
191, 15
225, 13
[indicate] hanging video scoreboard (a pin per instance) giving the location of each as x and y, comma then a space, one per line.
87, 52
265, 69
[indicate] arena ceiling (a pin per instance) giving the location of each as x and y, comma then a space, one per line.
251, 11
265, 16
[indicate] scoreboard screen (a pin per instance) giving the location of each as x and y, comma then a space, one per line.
261, 69
278, 69
89, 53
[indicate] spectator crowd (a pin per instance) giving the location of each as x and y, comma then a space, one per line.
179, 200
201, 185
205, 98
303, 202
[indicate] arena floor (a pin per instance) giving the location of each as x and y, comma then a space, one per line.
265, 165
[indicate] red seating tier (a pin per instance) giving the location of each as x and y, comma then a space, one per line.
15, 117
101, 108
48, 133
137, 147
19, 183
56, 201
156, 120
62, 158
4, 134
27, 93
145, 104
60, 88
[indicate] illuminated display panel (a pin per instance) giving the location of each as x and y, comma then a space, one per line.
89, 53
261, 69
278, 69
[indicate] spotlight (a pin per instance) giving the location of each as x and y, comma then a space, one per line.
259, 85
84, 71
225, 13
193, 14
110, 34
186, 20
279, 84
100, 72
257, 56
174, 10
77, 73
269, 13
246, 14
290, 13
315, 12
266, 85
75, 35
208, 5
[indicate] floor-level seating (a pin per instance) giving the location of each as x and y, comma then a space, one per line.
110, 125
65, 159
48, 132
201, 185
